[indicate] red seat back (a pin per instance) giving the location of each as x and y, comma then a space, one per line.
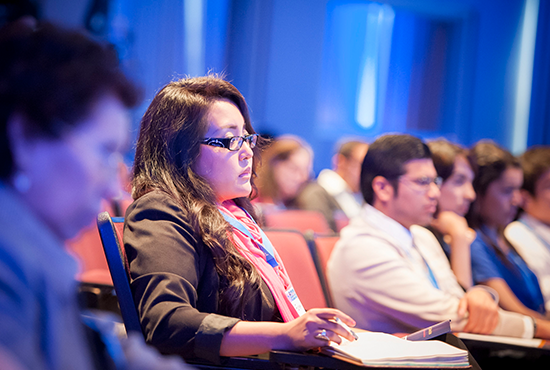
294, 251
87, 249
296, 219
324, 244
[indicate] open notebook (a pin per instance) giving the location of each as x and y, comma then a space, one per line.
380, 349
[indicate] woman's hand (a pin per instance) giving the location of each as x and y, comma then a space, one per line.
458, 236
302, 333
253, 337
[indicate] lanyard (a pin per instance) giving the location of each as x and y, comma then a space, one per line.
266, 247
431, 275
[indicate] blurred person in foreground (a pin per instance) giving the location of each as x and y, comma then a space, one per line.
206, 280
396, 276
63, 124
336, 192
530, 234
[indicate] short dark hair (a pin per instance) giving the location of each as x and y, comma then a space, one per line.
387, 157
535, 162
444, 155
52, 76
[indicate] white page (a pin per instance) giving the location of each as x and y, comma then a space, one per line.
373, 346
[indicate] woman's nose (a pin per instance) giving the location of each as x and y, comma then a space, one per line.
246, 151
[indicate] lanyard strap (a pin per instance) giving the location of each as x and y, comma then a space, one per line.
266, 247
431, 275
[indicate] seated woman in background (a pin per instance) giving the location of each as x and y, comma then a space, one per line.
286, 166
457, 193
495, 262
206, 280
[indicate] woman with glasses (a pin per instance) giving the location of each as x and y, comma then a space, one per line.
495, 262
206, 280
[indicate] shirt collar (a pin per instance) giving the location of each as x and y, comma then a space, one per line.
332, 182
384, 223
542, 230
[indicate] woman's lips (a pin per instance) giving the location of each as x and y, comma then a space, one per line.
246, 173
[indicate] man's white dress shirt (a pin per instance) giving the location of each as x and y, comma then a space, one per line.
379, 274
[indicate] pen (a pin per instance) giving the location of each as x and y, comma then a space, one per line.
348, 329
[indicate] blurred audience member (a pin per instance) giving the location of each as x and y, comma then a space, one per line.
286, 166
457, 193
336, 193
389, 273
495, 262
530, 234
63, 123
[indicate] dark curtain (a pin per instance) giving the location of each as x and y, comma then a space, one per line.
539, 121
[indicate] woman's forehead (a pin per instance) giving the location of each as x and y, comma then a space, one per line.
224, 116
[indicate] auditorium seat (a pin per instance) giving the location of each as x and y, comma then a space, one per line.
111, 231
294, 250
296, 219
321, 246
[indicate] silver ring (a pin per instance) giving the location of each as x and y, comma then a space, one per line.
323, 335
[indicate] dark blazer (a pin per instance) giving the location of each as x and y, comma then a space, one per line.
176, 287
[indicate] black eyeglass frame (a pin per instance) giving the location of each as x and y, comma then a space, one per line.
229, 142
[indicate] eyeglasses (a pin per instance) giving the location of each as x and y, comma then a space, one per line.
423, 183
232, 143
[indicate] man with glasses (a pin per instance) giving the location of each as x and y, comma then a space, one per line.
388, 272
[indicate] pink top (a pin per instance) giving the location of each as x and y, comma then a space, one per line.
276, 278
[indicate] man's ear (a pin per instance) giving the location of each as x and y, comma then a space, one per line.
337, 161
382, 188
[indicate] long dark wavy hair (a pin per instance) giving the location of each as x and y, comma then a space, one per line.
489, 161
167, 149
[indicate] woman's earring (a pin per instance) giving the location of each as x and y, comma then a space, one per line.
21, 182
